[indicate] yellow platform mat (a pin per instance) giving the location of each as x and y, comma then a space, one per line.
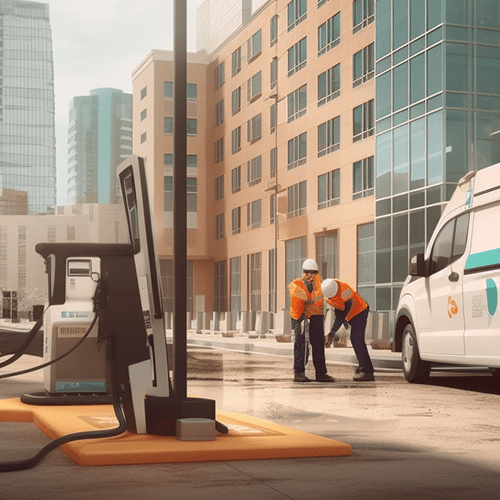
249, 438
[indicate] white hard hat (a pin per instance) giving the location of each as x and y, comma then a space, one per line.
329, 288
310, 265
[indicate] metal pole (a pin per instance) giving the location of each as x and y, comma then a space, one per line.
180, 201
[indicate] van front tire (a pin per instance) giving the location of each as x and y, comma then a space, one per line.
415, 370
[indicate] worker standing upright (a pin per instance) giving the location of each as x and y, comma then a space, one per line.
306, 313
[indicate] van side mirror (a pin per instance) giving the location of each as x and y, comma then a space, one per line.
417, 265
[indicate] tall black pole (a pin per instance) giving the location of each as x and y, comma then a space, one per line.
180, 201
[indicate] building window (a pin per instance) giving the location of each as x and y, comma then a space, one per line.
297, 103
192, 194
254, 281
363, 65
273, 117
366, 262
144, 137
192, 91
168, 159
272, 208
329, 136
329, 189
235, 179
220, 286
297, 57
144, 92
254, 128
168, 89
254, 170
71, 233
236, 140
235, 264
219, 113
329, 85
219, 76
295, 253
297, 151
327, 255
21, 277
273, 30
254, 45
51, 234
297, 12
219, 226
192, 126
254, 87
329, 34
274, 72
363, 14
297, 199
362, 178
254, 214
363, 121
168, 125
273, 161
219, 188
236, 62
219, 150
236, 220
21, 255
192, 161
144, 114
272, 280
236, 100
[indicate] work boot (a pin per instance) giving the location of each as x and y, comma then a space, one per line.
300, 377
362, 376
325, 378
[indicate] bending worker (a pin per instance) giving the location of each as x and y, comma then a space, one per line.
351, 307
306, 312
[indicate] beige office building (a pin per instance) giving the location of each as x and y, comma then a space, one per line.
280, 153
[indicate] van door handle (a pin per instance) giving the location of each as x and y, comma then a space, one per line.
454, 276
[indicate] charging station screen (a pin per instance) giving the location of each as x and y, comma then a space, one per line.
131, 202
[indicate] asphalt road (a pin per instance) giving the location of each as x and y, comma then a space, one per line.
438, 441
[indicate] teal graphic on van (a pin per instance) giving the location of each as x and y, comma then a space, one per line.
491, 296
479, 260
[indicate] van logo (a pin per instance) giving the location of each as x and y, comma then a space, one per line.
452, 307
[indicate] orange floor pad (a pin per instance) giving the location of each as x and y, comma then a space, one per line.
249, 438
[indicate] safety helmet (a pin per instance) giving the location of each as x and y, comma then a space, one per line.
310, 265
329, 288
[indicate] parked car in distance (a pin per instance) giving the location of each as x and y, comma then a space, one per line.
448, 310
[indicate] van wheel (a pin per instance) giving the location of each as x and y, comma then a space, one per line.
415, 370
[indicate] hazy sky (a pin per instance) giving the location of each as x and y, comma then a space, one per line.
98, 43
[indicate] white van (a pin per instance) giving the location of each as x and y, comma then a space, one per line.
448, 311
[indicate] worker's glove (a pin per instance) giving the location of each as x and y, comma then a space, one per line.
346, 325
330, 338
297, 326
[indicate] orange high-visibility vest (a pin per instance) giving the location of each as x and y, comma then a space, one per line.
300, 297
345, 293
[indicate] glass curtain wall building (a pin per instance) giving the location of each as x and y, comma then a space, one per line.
437, 109
27, 149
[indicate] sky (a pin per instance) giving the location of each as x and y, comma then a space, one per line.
98, 43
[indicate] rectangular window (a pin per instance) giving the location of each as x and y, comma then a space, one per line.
297, 103
297, 151
362, 178
219, 226
51, 234
273, 30
144, 137
254, 128
329, 189
21, 233
168, 159
297, 12
363, 121
254, 46
192, 161
363, 65
235, 179
297, 57
329, 34
254, 87
144, 92
329, 85
219, 188
71, 233
220, 286
21, 252
254, 267
297, 199
329, 136
236, 62
366, 262
274, 72
192, 126
273, 117
327, 255
192, 194
272, 280
168, 125
192, 91
236, 220
219, 113
273, 161
236, 140
235, 264
254, 170
272, 208
144, 114
254, 214
363, 14
219, 76
168, 89
236, 100
219, 150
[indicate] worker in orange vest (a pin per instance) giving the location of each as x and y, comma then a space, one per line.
306, 313
350, 307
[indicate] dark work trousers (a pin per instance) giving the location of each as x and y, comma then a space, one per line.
358, 328
317, 340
